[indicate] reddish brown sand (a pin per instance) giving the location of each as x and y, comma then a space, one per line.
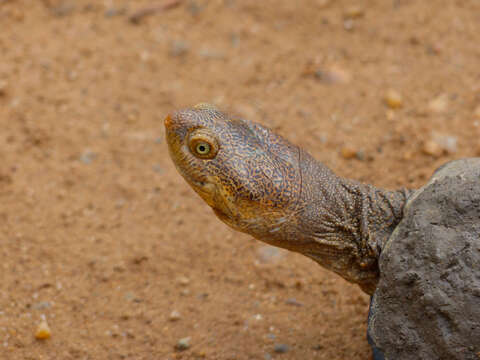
101, 236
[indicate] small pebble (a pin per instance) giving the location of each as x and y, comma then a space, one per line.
348, 24
293, 302
348, 153
390, 115
211, 54
174, 316
43, 331
144, 55
334, 75
281, 348
158, 169
114, 12
201, 354
195, 8
440, 144
41, 305
63, 9
179, 48
439, 104
353, 12
185, 292
3, 88
393, 99
87, 157
430, 147
269, 254
72, 75
235, 39
299, 284
360, 155
476, 112
448, 143
183, 280
129, 296
183, 344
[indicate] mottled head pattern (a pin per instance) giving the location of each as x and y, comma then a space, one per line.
246, 173
259, 183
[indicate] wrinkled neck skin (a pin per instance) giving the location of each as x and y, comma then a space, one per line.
341, 224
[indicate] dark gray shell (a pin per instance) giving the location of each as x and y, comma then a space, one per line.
427, 303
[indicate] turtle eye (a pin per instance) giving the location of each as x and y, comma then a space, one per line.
202, 148
202, 144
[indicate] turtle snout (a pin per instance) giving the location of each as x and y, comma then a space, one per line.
168, 121
175, 126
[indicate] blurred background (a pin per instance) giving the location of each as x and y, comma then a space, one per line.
102, 240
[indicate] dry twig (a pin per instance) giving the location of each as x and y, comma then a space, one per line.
138, 16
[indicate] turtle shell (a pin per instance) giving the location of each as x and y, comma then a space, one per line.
427, 302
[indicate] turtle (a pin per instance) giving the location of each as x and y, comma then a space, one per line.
415, 252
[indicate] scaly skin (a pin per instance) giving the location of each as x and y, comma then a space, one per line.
259, 183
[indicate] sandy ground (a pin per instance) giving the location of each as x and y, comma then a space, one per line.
101, 237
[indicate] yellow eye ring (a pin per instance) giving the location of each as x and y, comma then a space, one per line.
202, 144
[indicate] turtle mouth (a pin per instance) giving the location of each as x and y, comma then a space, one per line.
211, 193
221, 214
203, 188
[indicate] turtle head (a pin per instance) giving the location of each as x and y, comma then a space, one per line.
246, 173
